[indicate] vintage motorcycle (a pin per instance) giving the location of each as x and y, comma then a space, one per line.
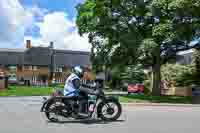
100, 106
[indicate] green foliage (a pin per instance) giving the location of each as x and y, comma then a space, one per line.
147, 86
127, 74
111, 20
118, 36
179, 75
133, 73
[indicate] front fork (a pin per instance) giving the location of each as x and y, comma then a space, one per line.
94, 112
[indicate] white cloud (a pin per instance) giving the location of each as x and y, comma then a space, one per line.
58, 28
13, 21
75, 42
16, 19
36, 11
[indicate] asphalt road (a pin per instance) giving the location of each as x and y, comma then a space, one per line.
21, 115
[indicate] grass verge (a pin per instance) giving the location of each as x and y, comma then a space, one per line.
46, 91
155, 99
26, 91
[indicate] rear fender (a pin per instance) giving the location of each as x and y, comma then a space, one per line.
49, 101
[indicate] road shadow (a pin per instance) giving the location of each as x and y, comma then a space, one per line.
87, 122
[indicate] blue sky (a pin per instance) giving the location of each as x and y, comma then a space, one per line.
41, 21
67, 6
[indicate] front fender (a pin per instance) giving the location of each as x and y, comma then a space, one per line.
111, 98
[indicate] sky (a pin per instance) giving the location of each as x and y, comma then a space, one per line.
41, 21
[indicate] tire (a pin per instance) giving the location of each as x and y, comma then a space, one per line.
48, 113
115, 117
48, 107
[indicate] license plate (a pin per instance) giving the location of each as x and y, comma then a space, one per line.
91, 108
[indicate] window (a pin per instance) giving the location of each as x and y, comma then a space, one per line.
12, 68
12, 73
35, 68
12, 77
58, 69
27, 67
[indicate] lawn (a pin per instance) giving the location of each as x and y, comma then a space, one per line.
46, 91
26, 91
155, 99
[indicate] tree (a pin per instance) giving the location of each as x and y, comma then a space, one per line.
125, 32
133, 73
127, 74
196, 60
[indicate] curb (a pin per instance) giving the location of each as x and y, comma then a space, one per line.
160, 104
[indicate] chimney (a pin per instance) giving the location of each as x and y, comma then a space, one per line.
51, 45
28, 43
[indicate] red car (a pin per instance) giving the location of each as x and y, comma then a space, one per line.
135, 88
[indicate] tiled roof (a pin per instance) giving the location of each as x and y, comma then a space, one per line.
42, 56
71, 58
11, 50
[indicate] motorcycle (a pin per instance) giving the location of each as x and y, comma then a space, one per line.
100, 106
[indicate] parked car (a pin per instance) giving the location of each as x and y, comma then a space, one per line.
135, 88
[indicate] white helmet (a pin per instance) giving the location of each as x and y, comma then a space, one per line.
78, 71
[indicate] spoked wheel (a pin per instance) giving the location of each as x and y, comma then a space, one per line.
57, 111
110, 111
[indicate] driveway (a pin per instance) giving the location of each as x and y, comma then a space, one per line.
22, 115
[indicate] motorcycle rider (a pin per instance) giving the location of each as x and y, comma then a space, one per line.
73, 83
74, 87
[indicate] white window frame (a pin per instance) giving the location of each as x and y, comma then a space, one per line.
59, 69
12, 68
13, 76
35, 68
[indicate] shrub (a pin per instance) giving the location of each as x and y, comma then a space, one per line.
179, 75
128, 74
147, 86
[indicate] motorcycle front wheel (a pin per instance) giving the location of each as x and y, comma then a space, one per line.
110, 110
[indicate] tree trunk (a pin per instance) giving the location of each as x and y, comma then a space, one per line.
156, 90
197, 61
198, 67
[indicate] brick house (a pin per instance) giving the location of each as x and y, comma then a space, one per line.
40, 65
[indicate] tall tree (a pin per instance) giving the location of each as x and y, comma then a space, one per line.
196, 60
147, 31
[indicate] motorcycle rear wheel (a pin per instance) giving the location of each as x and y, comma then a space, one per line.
55, 108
